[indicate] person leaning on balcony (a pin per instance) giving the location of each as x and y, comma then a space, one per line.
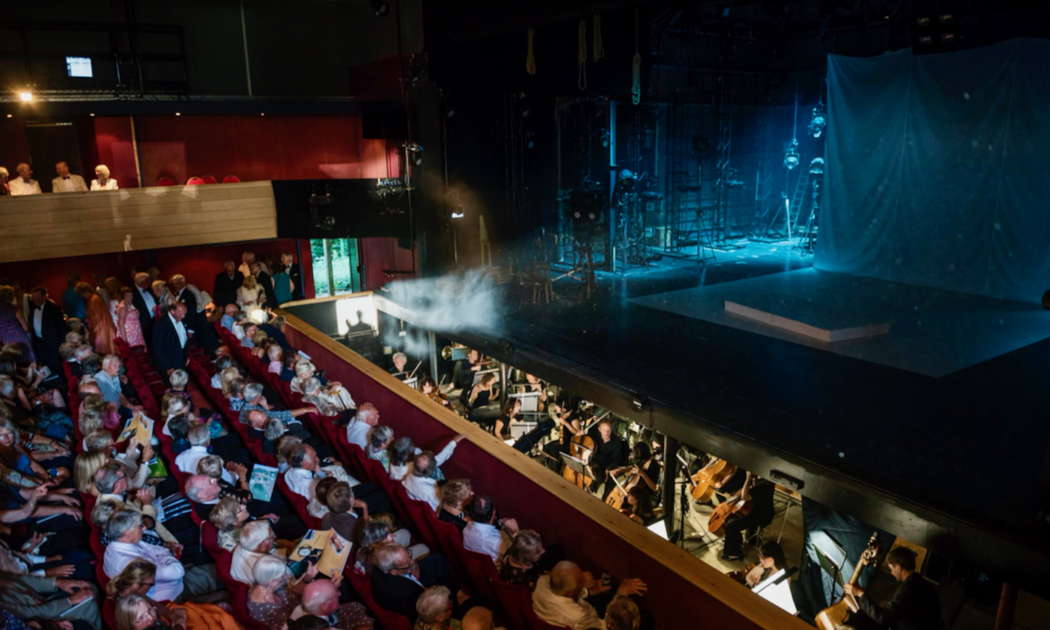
102, 179
66, 181
24, 184
567, 596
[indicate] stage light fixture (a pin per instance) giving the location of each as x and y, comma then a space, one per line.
791, 155
415, 152
178, 113
817, 122
10, 115
456, 215
92, 114
816, 166
25, 96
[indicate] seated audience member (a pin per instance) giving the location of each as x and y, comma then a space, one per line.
255, 400
24, 184
255, 541
396, 579
321, 598
367, 416
102, 179
305, 469
622, 614
274, 594
199, 438
275, 359
379, 440
560, 597
228, 516
421, 482
49, 599
304, 369
434, 609
108, 380
177, 382
477, 618
338, 497
454, 497
331, 399
125, 530
66, 181
137, 578
483, 535
520, 563
206, 492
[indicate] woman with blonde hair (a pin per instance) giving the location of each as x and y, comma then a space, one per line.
454, 496
228, 515
102, 179
99, 320
84, 468
136, 611
250, 296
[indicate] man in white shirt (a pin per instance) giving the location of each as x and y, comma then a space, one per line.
560, 597
255, 541
482, 535
421, 483
199, 438
24, 184
125, 527
305, 469
66, 181
367, 416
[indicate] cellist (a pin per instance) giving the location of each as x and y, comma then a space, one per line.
609, 457
759, 492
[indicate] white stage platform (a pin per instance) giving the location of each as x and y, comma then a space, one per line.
918, 329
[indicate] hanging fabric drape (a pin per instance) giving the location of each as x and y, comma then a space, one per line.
530, 52
598, 46
581, 56
636, 67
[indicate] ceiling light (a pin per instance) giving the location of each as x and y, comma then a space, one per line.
92, 114
25, 96
178, 113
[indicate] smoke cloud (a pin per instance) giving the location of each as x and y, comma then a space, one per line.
454, 302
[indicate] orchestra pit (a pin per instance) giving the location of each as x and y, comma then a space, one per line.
606, 315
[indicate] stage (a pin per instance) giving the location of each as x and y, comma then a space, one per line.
927, 331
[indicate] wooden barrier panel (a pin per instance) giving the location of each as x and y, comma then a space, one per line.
77, 224
683, 591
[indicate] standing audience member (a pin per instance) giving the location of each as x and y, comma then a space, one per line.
263, 279
294, 274
226, 284
282, 285
47, 328
145, 304
250, 296
99, 319
102, 179
129, 325
13, 326
66, 181
169, 339
24, 184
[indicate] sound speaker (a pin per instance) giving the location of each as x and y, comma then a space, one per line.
340, 208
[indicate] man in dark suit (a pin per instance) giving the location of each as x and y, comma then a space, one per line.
170, 336
47, 328
914, 605
145, 303
295, 274
226, 284
397, 579
179, 292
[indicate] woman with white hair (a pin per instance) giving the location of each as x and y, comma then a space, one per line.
254, 542
274, 595
250, 296
331, 399
102, 179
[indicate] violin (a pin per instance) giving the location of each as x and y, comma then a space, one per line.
738, 506
710, 478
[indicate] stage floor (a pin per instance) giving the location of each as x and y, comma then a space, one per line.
932, 332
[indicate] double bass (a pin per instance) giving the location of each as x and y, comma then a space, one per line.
581, 446
711, 477
837, 614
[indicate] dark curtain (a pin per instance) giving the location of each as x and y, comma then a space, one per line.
936, 169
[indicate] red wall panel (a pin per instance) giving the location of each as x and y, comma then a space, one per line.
379, 254
14, 147
258, 147
113, 147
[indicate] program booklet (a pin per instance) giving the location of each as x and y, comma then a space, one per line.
262, 481
135, 429
326, 548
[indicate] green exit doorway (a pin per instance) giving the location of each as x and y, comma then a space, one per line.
337, 266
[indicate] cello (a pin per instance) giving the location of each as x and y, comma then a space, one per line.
581, 446
739, 505
711, 477
838, 613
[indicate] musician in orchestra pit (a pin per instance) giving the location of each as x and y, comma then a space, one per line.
483, 402
760, 493
609, 458
642, 483
913, 606
463, 373
770, 560
400, 360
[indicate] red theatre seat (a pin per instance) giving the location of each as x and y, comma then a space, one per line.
195, 181
165, 181
231, 179
210, 179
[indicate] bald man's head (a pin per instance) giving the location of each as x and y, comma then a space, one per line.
477, 618
567, 579
320, 598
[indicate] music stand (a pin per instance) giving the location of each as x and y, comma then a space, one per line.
577, 465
